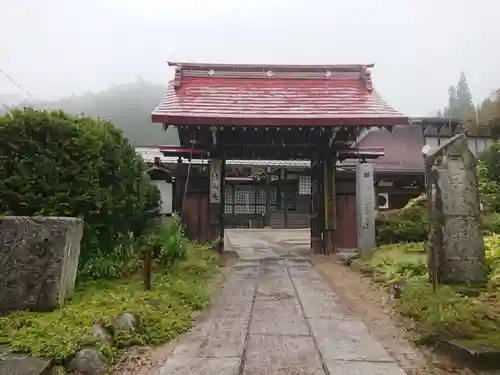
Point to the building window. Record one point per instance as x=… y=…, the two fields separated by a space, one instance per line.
x=481 y=145
x=228 y=199
x=248 y=199
x=472 y=143
x=304 y=185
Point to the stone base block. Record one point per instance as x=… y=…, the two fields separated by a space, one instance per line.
x=38 y=261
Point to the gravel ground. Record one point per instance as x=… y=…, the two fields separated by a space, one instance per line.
x=372 y=304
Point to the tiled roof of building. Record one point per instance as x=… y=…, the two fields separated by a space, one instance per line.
x=149 y=154
x=402 y=147
x=206 y=94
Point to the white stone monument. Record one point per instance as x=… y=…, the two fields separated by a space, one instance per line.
x=365 y=208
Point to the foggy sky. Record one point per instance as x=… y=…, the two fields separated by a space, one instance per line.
x=56 y=48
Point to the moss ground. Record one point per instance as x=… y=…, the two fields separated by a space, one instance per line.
x=163 y=312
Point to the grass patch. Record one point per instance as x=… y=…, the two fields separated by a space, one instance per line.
x=396 y=261
x=446 y=314
x=163 y=312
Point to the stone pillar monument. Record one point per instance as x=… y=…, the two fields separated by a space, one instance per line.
x=365 y=208
x=456 y=246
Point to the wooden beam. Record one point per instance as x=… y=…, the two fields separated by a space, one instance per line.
x=332 y=137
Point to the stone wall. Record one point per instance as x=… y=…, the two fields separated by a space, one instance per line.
x=455 y=237
x=38 y=261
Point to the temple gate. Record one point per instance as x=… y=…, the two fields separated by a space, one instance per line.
x=280 y=112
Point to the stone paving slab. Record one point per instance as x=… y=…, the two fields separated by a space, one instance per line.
x=215 y=338
x=278 y=316
x=363 y=368
x=349 y=341
x=201 y=366
x=283 y=355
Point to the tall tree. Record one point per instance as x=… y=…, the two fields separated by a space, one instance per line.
x=451 y=109
x=465 y=107
x=488 y=114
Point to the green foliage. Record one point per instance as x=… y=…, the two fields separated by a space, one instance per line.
x=460 y=104
x=54 y=164
x=123 y=261
x=489 y=177
x=409 y=224
x=169 y=242
x=491 y=223
x=163 y=312
x=444 y=314
x=492 y=253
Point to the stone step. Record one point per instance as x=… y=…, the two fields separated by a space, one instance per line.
x=20 y=364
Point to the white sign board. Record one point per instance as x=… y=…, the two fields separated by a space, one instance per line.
x=166 y=196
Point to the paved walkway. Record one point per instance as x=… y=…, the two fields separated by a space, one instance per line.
x=276 y=315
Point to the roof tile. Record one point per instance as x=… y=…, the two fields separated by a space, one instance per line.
x=307 y=96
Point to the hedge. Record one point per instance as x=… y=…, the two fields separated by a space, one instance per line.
x=56 y=164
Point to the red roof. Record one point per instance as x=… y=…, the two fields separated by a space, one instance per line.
x=327 y=95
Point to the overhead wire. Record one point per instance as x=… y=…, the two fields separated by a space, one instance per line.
x=188 y=175
x=15 y=83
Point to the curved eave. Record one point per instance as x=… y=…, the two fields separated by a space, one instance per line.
x=280 y=121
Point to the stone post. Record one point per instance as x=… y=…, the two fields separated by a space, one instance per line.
x=456 y=246
x=365 y=208
x=267 y=216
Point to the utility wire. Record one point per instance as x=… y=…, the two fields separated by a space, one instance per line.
x=16 y=84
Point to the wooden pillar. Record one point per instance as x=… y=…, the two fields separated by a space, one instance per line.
x=329 y=168
x=179 y=186
x=216 y=199
x=284 y=195
x=267 y=217
x=317 y=205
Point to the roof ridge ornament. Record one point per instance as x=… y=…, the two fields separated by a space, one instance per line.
x=270 y=73
x=366 y=78
x=178 y=77
x=328 y=74
x=211 y=72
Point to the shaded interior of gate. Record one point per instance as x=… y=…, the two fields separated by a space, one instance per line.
x=320 y=197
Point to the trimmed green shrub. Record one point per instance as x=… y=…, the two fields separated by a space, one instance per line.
x=409 y=224
x=55 y=164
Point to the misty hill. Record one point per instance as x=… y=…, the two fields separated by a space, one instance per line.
x=9 y=100
x=128 y=106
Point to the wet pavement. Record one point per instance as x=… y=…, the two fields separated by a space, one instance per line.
x=276 y=315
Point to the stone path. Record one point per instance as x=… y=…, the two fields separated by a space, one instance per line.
x=276 y=315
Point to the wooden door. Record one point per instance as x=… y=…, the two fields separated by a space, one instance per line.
x=346 y=233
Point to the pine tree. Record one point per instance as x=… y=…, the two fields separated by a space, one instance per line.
x=451 y=109
x=464 y=106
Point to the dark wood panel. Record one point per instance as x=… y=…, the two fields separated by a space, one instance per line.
x=346 y=231
x=294 y=220
x=196 y=217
